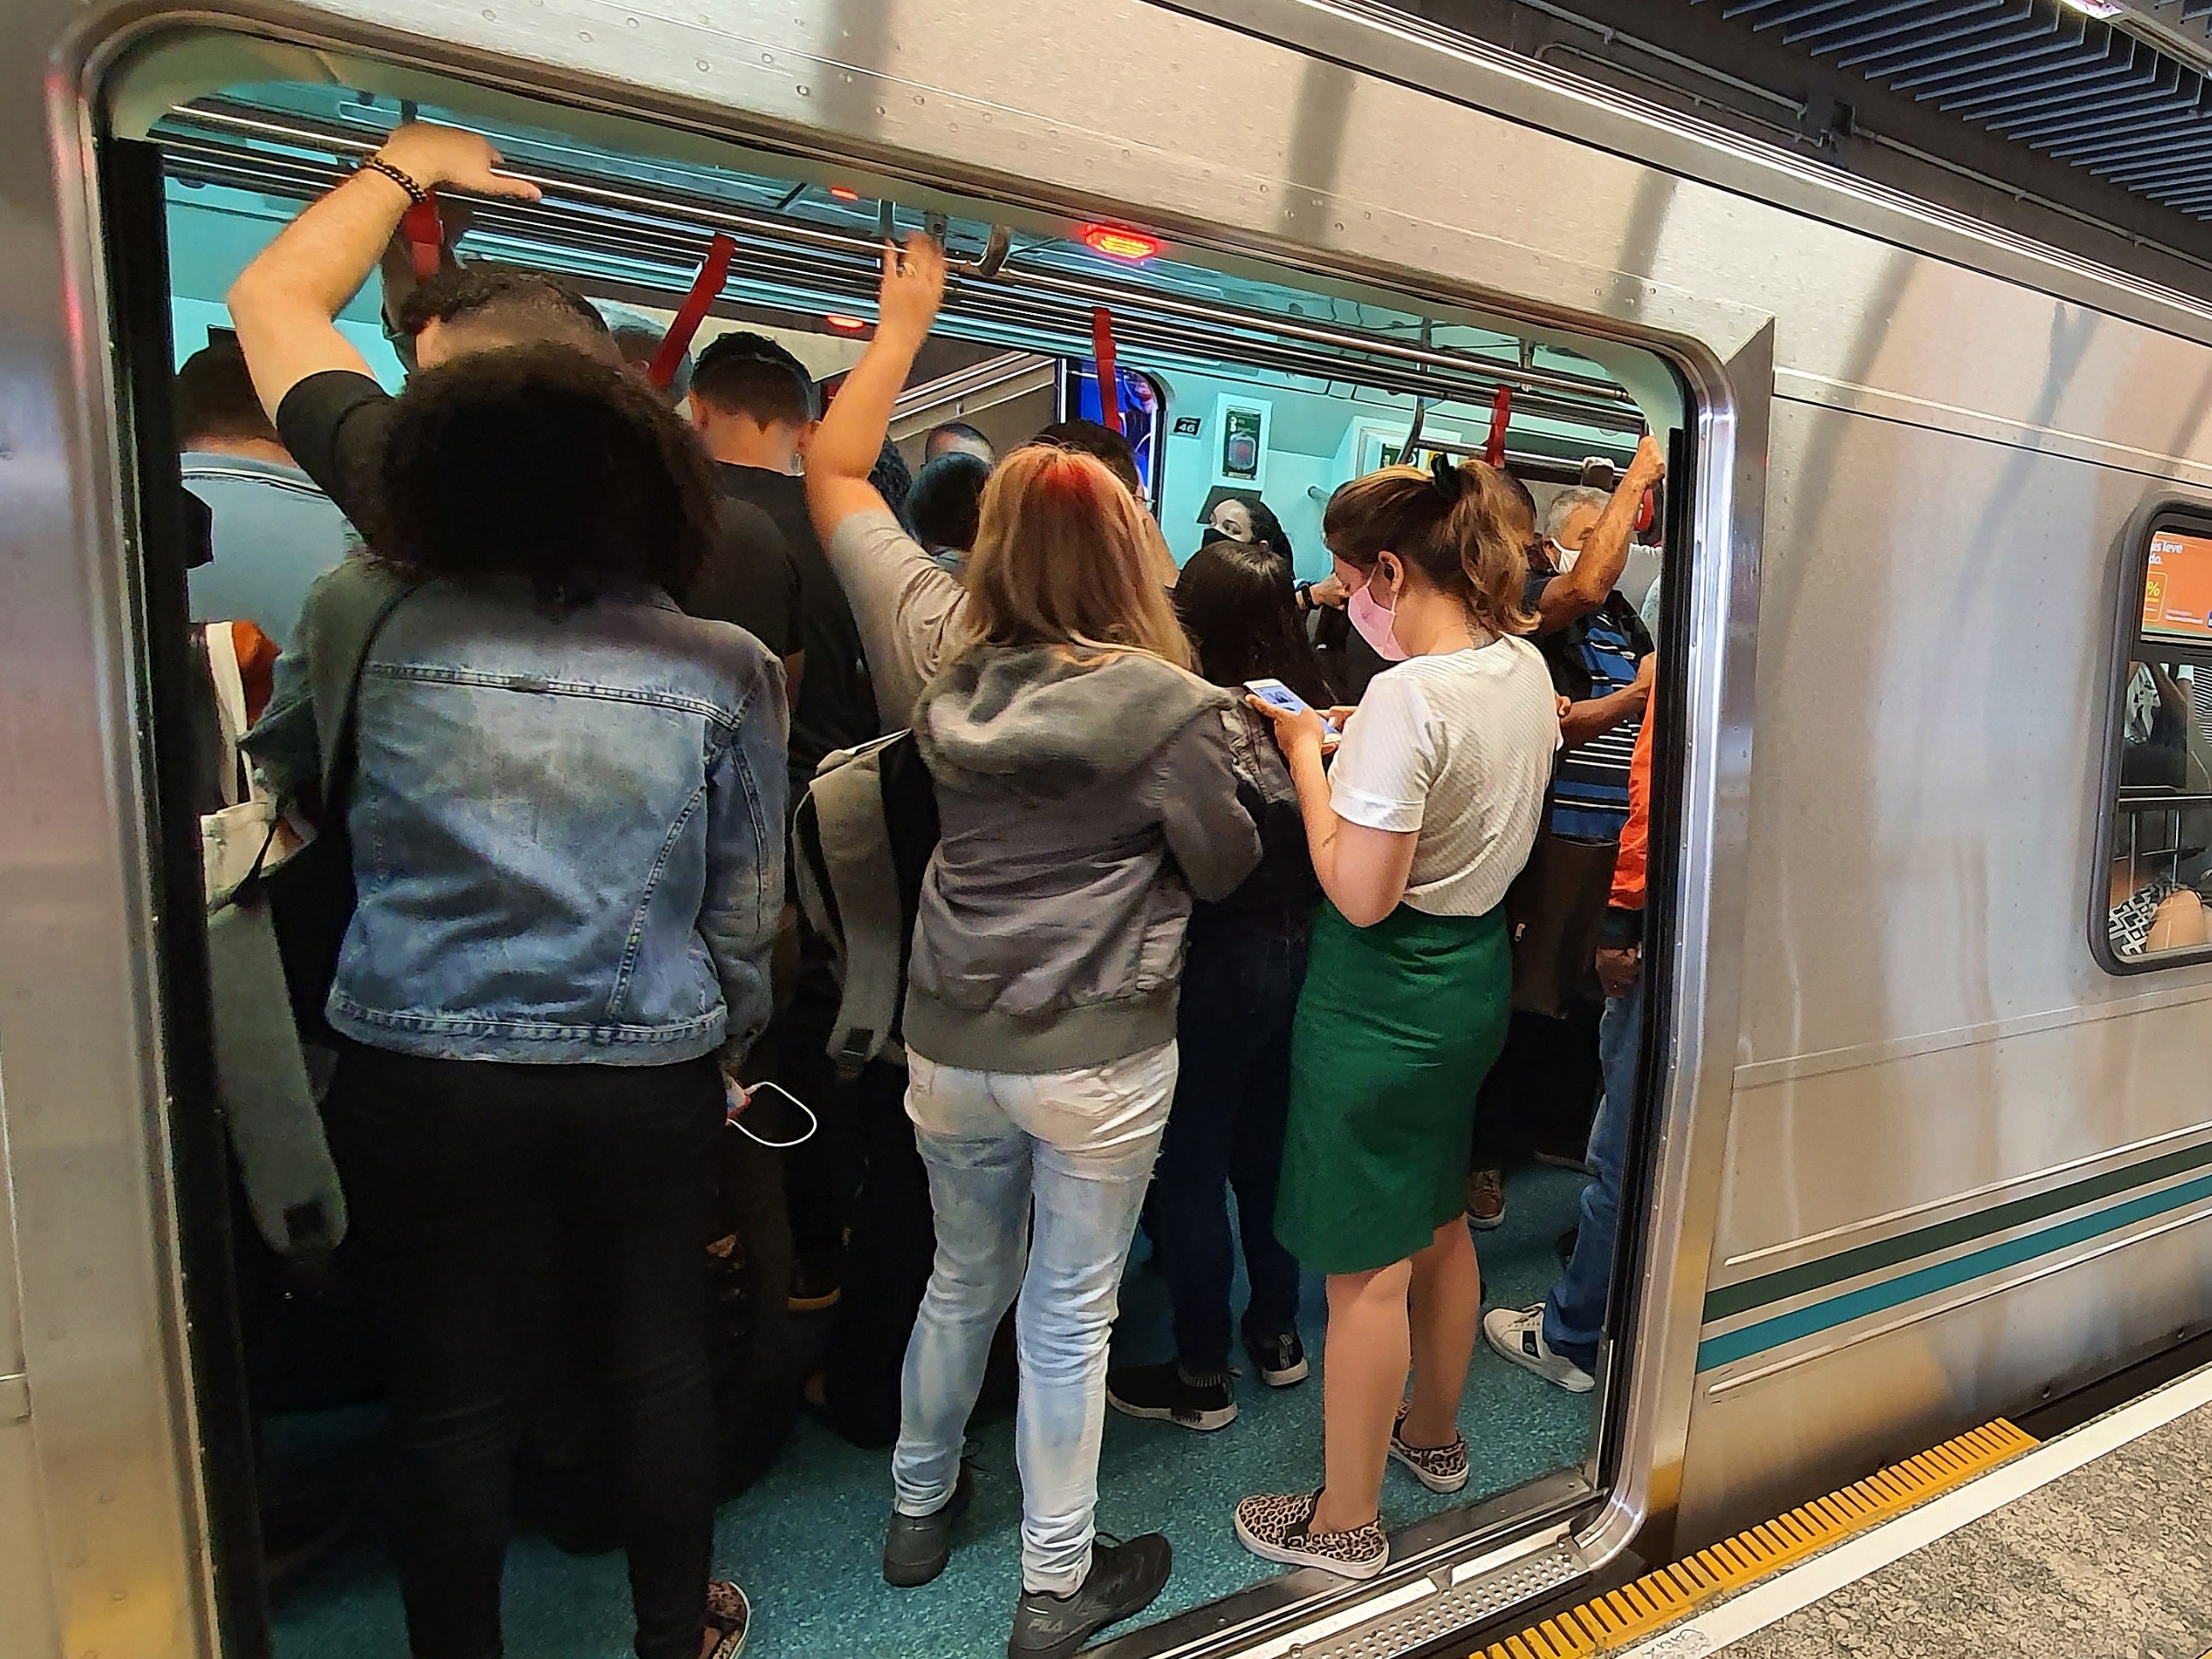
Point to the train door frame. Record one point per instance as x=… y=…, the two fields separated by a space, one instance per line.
x=1722 y=353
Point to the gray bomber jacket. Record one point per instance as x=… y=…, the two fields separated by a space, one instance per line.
x=1083 y=802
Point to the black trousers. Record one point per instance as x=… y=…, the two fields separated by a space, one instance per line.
x=1542 y=1089
x=469 y=1185
x=887 y=1269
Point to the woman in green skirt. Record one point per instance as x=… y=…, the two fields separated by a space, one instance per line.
x=1426 y=816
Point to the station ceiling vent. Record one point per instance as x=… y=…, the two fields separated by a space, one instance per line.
x=2117 y=87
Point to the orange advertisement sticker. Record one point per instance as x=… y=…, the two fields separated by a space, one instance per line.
x=2178 y=588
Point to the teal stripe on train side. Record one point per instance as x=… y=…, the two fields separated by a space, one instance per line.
x=1729 y=1300
x=1888 y=1293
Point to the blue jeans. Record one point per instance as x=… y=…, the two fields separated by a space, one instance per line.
x=1574 y=1313
x=1080 y=1145
x=1240 y=994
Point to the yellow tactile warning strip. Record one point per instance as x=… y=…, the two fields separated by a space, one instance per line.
x=1660 y=1598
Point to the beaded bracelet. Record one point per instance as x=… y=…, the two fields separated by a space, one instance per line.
x=416 y=193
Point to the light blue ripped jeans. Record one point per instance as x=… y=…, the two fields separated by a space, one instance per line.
x=1080 y=1145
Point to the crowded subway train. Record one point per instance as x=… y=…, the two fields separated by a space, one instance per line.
x=1058 y=748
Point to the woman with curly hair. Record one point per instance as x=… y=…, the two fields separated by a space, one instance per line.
x=565 y=818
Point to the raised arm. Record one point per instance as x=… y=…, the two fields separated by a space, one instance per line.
x=1578 y=592
x=285 y=304
x=852 y=432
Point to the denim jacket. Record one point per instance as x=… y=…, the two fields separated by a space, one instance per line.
x=567 y=830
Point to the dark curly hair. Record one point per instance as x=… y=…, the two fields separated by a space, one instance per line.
x=542 y=462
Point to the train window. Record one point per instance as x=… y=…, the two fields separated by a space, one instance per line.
x=2153 y=896
x=1236 y=383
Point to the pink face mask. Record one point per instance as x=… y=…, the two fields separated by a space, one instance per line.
x=1373 y=621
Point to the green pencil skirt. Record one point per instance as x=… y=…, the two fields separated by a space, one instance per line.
x=1396 y=1027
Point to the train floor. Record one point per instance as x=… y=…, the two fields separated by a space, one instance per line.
x=804 y=1540
x=2095 y=1544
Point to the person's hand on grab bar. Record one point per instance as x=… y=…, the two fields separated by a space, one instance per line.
x=912 y=289
x=435 y=156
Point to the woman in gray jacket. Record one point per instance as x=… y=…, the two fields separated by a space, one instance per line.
x=1087 y=791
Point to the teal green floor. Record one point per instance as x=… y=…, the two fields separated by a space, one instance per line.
x=804 y=1541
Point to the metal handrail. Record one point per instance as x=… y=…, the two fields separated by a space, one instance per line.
x=1610 y=409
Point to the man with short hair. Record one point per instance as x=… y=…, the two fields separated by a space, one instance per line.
x=1568 y=521
x=752 y=403
x=315 y=386
x=946 y=506
x=478 y=306
x=958 y=438
x=333 y=415
x=273 y=531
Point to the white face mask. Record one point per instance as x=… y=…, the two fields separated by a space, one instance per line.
x=1563 y=556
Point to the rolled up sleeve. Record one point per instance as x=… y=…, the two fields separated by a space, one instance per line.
x=912 y=613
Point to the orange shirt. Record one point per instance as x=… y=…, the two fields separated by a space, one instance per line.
x=257 y=667
x=1628 y=883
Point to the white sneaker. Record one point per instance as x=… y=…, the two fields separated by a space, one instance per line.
x=1519 y=1336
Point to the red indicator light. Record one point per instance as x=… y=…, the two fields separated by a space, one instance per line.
x=843 y=194
x=1118 y=244
x=845 y=324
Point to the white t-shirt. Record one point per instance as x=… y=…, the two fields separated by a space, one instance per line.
x=1459 y=748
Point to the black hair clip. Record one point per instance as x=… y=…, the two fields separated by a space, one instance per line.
x=1448 y=480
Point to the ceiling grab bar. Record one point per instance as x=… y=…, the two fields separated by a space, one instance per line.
x=213 y=117
x=705 y=289
x=1420 y=411
x=1109 y=375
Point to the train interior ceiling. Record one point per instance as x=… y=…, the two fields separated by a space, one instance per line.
x=1237 y=378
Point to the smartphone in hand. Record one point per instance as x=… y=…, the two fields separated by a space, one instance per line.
x=1276 y=695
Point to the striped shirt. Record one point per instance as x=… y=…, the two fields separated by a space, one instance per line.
x=1589 y=795
x=1457 y=747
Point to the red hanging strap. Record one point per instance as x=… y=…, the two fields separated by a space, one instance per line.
x=1647 y=510
x=425 y=236
x=705 y=288
x=1110 y=377
x=1501 y=411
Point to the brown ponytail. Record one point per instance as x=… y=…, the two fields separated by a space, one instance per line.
x=1457 y=525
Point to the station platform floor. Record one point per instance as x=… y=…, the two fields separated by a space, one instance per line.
x=2095 y=1544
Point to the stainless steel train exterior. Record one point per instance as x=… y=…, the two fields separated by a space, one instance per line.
x=1892 y=1059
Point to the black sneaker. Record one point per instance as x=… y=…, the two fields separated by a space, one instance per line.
x=917 y=1546
x=1124 y=1578
x=1281 y=1360
x=1163 y=1394
x=814 y=1287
